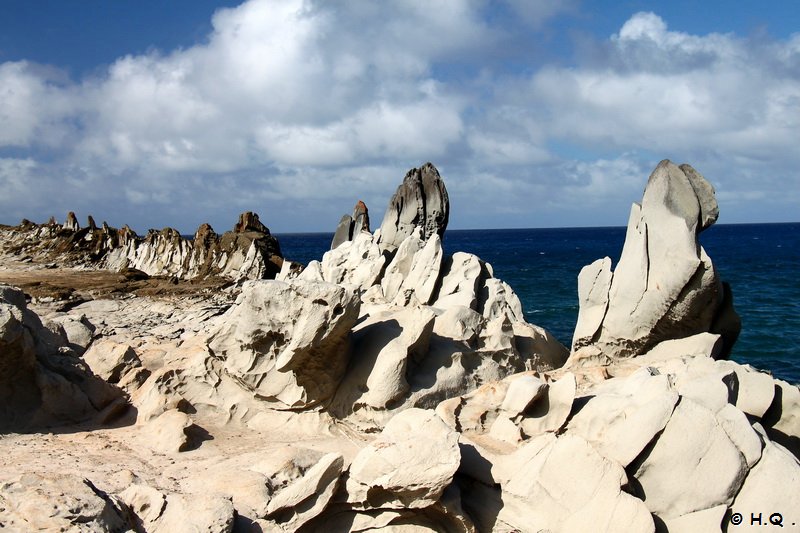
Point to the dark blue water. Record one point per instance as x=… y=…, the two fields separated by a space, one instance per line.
x=760 y=261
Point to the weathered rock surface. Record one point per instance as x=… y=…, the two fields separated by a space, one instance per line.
x=407 y=466
x=288 y=342
x=42 y=380
x=421 y=201
x=308 y=404
x=665 y=286
x=249 y=251
x=57 y=503
x=308 y=496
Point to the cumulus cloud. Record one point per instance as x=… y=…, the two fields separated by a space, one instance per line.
x=300 y=106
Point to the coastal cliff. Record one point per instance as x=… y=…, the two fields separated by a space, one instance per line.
x=389 y=385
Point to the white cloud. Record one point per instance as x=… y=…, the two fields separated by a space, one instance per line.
x=295 y=104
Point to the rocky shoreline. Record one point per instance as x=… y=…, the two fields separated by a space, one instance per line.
x=164 y=384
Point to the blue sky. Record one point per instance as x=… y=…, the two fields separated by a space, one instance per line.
x=538 y=113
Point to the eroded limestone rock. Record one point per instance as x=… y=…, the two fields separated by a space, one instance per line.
x=665 y=286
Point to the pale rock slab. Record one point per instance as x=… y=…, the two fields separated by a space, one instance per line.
x=358 y=263
x=497 y=299
x=79 y=331
x=400 y=266
x=665 y=286
x=312 y=272
x=407 y=466
x=196 y=512
x=756 y=389
x=385 y=346
x=693 y=465
x=707 y=520
x=551 y=410
x=57 y=503
x=459 y=323
x=420 y=284
x=521 y=393
x=782 y=420
x=167 y=432
x=625 y=414
x=308 y=496
x=563 y=484
x=111 y=360
x=594 y=282
x=741 y=433
x=288 y=342
x=461 y=281
x=146 y=503
x=771 y=486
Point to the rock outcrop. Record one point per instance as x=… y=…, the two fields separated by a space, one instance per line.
x=350 y=226
x=43 y=382
x=247 y=252
x=665 y=286
x=421 y=201
x=288 y=343
x=396 y=389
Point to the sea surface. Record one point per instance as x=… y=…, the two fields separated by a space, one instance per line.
x=760 y=261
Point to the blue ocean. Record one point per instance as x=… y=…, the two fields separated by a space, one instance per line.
x=760 y=261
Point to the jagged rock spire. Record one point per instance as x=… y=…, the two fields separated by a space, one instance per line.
x=420 y=201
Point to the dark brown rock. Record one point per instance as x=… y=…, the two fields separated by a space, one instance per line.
x=349 y=226
x=248 y=221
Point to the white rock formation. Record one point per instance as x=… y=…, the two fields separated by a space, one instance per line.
x=664 y=286
x=407 y=466
x=288 y=342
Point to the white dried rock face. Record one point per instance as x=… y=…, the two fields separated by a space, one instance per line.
x=384 y=347
x=771 y=485
x=357 y=263
x=623 y=415
x=167 y=432
x=563 y=484
x=461 y=280
x=407 y=466
x=111 y=360
x=308 y=496
x=196 y=512
x=694 y=464
x=57 y=503
x=664 y=286
x=42 y=381
x=288 y=343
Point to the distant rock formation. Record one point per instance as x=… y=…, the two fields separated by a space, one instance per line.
x=249 y=251
x=421 y=201
x=665 y=286
x=71 y=223
x=350 y=226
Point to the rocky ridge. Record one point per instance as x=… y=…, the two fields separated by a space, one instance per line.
x=249 y=251
x=398 y=388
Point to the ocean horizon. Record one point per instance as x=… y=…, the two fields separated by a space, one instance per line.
x=760 y=261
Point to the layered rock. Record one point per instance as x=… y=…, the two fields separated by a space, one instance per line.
x=249 y=251
x=421 y=201
x=665 y=286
